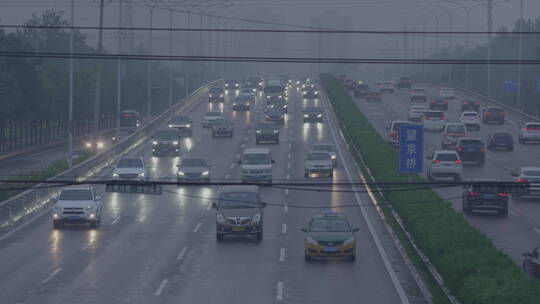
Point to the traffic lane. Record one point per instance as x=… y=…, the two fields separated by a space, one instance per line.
x=324 y=280
x=70 y=244
x=502 y=231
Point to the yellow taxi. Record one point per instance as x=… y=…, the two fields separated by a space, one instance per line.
x=329 y=235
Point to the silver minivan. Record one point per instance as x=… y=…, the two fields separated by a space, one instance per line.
x=256 y=164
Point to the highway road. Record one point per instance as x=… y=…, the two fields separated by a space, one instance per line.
x=163 y=249
x=517 y=233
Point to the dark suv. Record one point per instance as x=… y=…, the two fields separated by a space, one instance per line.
x=501 y=140
x=493 y=114
x=313 y=114
x=216 y=95
x=404 y=83
x=266 y=133
x=239 y=212
x=361 y=90
x=470 y=105
x=483 y=196
x=471 y=150
x=166 y=142
x=438 y=103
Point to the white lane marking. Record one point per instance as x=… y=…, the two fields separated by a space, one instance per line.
x=227 y=176
x=279 y=291
x=285 y=208
x=197 y=227
x=536 y=230
x=283 y=228
x=237 y=155
x=282 y=255
x=287 y=191
x=115 y=220
x=242 y=146
x=47 y=279
x=232 y=165
x=290 y=146
x=288 y=176
x=182 y=253
x=288 y=165
x=382 y=252
x=289 y=155
x=512 y=212
x=245 y=138
x=161 y=287
x=209 y=207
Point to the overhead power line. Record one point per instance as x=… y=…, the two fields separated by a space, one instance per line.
x=58 y=55
x=241 y=30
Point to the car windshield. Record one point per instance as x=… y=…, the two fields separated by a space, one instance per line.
x=266 y=127
x=535 y=173
x=502 y=135
x=312 y=110
x=180 y=119
x=471 y=142
x=419 y=90
x=75 y=195
x=327 y=148
x=468 y=115
x=494 y=110
x=418 y=109
x=318 y=156
x=213 y=114
x=533 y=126
x=274 y=89
x=447 y=157
x=222 y=121
x=193 y=162
x=455 y=129
x=216 y=91
x=166 y=135
x=247 y=91
x=329 y=225
x=434 y=114
x=256 y=159
x=130 y=163
x=238 y=200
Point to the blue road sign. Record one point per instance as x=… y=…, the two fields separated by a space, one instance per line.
x=510 y=86
x=538 y=84
x=411 y=149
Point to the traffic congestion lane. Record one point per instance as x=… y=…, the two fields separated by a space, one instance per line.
x=513 y=234
x=117 y=251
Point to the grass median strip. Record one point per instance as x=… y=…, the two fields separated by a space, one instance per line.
x=473 y=269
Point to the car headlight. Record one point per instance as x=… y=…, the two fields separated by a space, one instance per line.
x=256 y=218
x=175 y=143
x=88 y=145
x=311 y=241
x=154 y=143
x=254 y=90
x=319 y=115
x=205 y=173
x=92 y=215
x=115 y=175
x=268 y=96
x=89 y=207
x=234 y=104
x=280 y=96
x=113 y=138
x=180 y=173
x=220 y=95
x=141 y=174
x=226 y=85
x=170 y=126
x=276 y=131
x=236 y=85
x=306 y=116
x=303 y=86
x=333 y=157
x=210 y=95
x=55 y=215
x=258 y=131
x=220 y=219
x=349 y=241
x=188 y=126
x=316 y=92
x=100 y=145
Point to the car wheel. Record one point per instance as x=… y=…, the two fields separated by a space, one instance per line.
x=259 y=236
x=511 y=148
x=331 y=174
x=503 y=212
x=520 y=140
x=457 y=178
x=307 y=258
x=516 y=197
x=482 y=162
x=219 y=237
x=93 y=225
x=277 y=141
x=306 y=174
x=256 y=141
x=352 y=258
x=58 y=225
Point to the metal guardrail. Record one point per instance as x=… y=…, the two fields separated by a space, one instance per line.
x=521 y=116
x=38 y=197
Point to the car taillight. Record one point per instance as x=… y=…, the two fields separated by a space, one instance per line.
x=436 y=161
x=482 y=150
x=488 y=114
x=503 y=194
x=426 y=117
x=501 y=114
x=441 y=118
x=474 y=194
x=528 y=129
x=459 y=149
x=458 y=162
x=522 y=180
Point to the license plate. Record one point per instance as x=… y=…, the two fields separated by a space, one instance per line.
x=238 y=229
x=489 y=195
x=471 y=150
x=446 y=165
x=331 y=249
x=73 y=217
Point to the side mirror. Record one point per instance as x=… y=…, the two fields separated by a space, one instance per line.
x=273 y=161
x=429 y=157
x=262 y=205
x=177 y=166
x=355 y=229
x=214 y=205
x=303 y=229
x=239 y=161
x=97 y=198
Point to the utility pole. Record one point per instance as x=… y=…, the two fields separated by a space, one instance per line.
x=490 y=24
x=97 y=97
x=119 y=74
x=151 y=4
x=520 y=54
x=70 y=106
x=171 y=5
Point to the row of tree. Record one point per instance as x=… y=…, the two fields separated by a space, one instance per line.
x=38 y=88
x=503 y=77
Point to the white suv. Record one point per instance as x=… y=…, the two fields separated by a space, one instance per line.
x=256 y=165
x=77 y=204
x=529 y=132
x=131 y=169
x=470 y=119
x=444 y=163
x=434 y=120
x=447 y=93
x=318 y=163
x=529 y=175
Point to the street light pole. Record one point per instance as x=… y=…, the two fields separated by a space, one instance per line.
x=151 y=5
x=171 y=5
x=520 y=54
x=119 y=73
x=70 y=106
x=97 y=97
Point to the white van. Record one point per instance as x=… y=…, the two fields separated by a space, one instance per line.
x=256 y=165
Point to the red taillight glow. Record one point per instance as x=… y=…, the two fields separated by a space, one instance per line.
x=482 y=150
x=503 y=194
x=436 y=161
x=488 y=114
x=458 y=162
x=474 y=194
x=522 y=180
x=501 y=114
x=528 y=129
x=459 y=149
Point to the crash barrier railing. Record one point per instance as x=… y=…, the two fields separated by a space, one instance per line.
x=517 y=114
x=37 y=198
